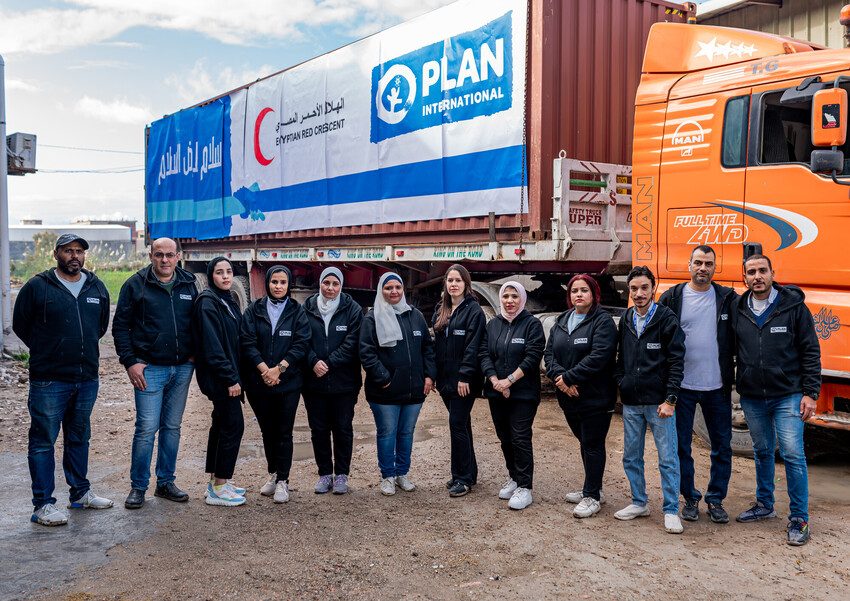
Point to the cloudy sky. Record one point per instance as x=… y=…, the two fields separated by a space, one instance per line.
x=92 y=73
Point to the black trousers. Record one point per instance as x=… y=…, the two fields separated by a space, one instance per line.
x=464 y=465
x=225 y=436
x=275 y=413
x=331 y=416
x=591 y=429
x=512 y=420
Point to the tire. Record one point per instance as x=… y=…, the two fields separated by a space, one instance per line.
x=742 y=442
x=201 y=282
x=240 y=292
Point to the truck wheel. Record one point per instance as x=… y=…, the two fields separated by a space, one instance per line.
x=742 y=442
x=241 y=292
x=201 y=282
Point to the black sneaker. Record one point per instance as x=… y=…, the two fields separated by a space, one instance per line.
x=458 y=489
x=690 y=512
x=135 y=499
x=450 y=483
x=755 y=513
x=717 y=514
x=171 y=492
x=798 y=532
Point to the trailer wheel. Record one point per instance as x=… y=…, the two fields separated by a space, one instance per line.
x=742 y=442
x=240 y=292
x=201 y=282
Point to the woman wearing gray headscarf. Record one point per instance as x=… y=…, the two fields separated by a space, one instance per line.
x=332 y=379
x=397 y=353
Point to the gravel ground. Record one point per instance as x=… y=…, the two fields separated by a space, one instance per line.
x=420 y=545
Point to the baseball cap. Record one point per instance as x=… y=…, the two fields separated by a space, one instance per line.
x=68 y=238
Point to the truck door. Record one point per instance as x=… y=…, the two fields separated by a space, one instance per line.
x=800 y=218
x=703 y=166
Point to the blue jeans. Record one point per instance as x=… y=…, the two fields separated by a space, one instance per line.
x=635 y=420
x=51 y=405
x=717 y=410
x=769 y=419
x=159 y=407
x=394 y=425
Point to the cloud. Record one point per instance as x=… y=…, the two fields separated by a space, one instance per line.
x=201 y=83
x=114 y=111
x=238 y=23
x=23 y=86
x=100 y=64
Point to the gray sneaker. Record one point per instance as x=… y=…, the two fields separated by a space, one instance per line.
x=324 y=484
x=49 y=515
x=341 y=484
x=90 y=501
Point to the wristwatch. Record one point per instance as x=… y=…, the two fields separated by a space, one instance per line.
x=282 y=367
x=511 y=378
x=671 y=399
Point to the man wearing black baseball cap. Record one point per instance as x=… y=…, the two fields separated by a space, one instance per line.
x=61 y=314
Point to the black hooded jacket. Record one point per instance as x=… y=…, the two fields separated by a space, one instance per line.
x=403 y=366
x=782 y=357
x=507 y=346
x=62 y=332
x=650 y=368
x=457 y=349
x=725 y=333
x=151 y=325
x=290 y=340
x=337 y=348
x=586 y=358
x=215 y=330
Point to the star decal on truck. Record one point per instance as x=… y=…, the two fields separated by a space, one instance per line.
x=712 y=50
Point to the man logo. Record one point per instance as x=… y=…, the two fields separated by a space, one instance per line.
x=396 y=94
x=687 y=135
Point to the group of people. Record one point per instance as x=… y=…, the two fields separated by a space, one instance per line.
x=664 y=358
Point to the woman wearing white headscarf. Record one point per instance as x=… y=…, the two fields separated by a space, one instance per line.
x=398 y=355
x=333 y=379
x=510 y=359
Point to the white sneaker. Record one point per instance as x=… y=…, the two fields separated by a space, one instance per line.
x=49 y=515
x=520 y=499
x=237 y=489
x=281 y=492
x=673 y=524
x=268 y=488
x=90 y=501
x=576 y=497
x=632 y=511
x=388 y=486
x=508 y=489
x=588 y=507
x=223 y=496
x=405 y=484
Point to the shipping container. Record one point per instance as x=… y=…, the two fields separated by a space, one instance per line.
x=578 y=84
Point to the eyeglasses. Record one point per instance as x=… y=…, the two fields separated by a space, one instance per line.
x=164 y=255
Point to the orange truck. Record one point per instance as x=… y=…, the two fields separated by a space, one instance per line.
x=740 y=142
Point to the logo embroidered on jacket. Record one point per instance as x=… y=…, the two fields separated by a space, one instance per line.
x=185 y=297
x=779 y=330
x=285 y=333
x=459 y=332
x=417 y=332
x=653 y=346
x=517 y=340
x=724 y=316
x=342 y=328
x=580 y=341
x=93 y=301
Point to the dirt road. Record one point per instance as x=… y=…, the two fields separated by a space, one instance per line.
x=421 y=545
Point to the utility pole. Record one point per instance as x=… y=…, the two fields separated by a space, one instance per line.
x=5 y=285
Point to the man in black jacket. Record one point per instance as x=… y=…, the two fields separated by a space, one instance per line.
x=153 y=339
x=61 y=314
x=649 y=370
x=779 y=379
x=702 y=308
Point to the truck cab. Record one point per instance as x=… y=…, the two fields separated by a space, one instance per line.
x=740 y=143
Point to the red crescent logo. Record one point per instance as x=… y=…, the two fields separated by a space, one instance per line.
x=258 y=153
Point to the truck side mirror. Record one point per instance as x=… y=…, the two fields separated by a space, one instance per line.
x=829 y=117
x=827 y=161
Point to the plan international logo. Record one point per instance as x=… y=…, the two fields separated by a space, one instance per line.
x=460 y=78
